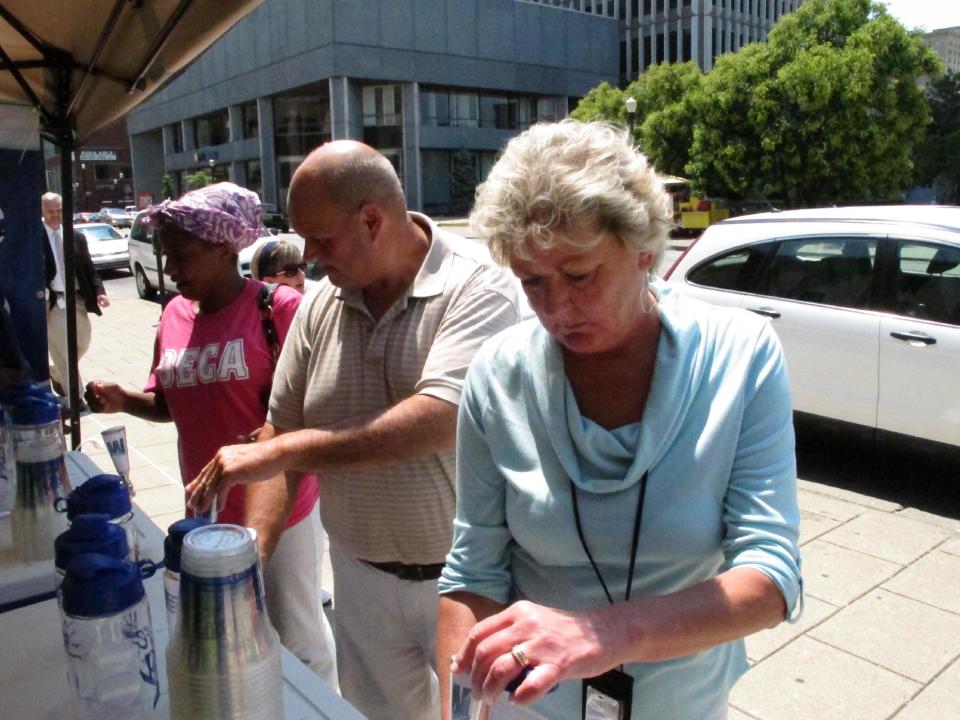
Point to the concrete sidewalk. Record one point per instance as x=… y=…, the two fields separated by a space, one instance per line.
x=880 y=635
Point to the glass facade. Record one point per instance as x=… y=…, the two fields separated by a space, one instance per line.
x=450 y=179
x=301 y=123
x=456 y=108
x=254 y=176
x=212 y=129
x=383 y=122
x=251 y=120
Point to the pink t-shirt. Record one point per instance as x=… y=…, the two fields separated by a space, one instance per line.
x=215 y=372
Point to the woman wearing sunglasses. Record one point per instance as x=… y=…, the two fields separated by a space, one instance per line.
x=280 y=261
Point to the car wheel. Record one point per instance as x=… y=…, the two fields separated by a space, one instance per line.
x=144 y=289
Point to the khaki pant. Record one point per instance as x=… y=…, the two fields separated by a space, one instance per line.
x=292 y=583
x=386 y=630
x=57 y=342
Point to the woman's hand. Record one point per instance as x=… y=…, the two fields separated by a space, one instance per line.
x=232 y=465
x=105 y=397
x=558 y=645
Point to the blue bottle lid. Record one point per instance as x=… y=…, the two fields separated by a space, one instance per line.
x=100 y=494
x=35 y=410
x=98 y=585
x=91 y=533
x=11 y=392
x=173 y=543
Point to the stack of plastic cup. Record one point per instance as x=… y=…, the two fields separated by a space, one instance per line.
x=223 y=661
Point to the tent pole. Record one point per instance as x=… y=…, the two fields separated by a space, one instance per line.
x=67 y=144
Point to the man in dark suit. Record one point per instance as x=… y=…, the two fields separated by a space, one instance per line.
x=91 y=295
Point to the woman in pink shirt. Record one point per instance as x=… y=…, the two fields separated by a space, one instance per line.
x=211 y=375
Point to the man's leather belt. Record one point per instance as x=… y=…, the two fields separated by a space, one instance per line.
x=415 y=573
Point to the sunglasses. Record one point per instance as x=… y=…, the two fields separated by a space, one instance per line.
x=291 y=269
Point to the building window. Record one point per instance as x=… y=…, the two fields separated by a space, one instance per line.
x=301 y=123
x=177 y=137
x=212 y=129
x=251 y=120
x=450 y=179
x=254 y=176
x=382 y=106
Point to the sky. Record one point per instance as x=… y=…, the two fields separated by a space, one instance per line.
x=929 y=14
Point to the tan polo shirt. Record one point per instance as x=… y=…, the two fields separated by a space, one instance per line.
x=338 y=363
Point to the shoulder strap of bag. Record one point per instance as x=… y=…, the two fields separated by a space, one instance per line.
x=265 y=306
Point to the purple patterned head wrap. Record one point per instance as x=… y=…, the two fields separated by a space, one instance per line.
x=220 y=213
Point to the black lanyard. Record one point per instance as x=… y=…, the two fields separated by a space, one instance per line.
x=633 y=548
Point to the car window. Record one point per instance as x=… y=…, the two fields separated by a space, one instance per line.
x=730 y=271
x=928 y=282
x=104 y=232
x=829 y=271
x=140 y=230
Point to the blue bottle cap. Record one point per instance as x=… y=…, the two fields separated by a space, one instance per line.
x=35 y=410
x=11 y=392
x=173 y=543
x=97 y=585
x=92 y=533
x=100 y=494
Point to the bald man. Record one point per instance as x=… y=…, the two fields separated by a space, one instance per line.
x=365 y=395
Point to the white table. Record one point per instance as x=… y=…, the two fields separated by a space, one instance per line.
x=33 y=666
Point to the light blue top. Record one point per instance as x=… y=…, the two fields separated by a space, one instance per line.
x=717 y=439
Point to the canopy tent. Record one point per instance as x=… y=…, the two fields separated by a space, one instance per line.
x=82 y=64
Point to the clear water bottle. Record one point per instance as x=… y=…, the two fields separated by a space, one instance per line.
x=8 y=464
x=106 y=494
x=223 y=661
x=172 y=546
x=108 y=637
x=93 y=533
x=41 y=476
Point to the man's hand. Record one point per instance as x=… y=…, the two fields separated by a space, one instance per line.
x=103 y=301
x=232 y=465
x=105 y=397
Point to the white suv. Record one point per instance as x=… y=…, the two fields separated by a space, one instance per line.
x=866 y=301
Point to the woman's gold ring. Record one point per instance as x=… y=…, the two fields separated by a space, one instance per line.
x=520 y=656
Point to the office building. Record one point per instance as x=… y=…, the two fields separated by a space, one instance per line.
x=945 y=42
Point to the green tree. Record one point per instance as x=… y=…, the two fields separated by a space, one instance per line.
x=665 y=113
x=827 y=110
x=938 y=157
x=168 y=187
x=604 y=103
x=198 y=180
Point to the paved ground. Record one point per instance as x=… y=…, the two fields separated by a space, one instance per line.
x=880 y=636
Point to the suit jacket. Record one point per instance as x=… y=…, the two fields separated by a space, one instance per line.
x=89 y=284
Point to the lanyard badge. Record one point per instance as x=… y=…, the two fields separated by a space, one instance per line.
x=607 y=697
x=610 y=696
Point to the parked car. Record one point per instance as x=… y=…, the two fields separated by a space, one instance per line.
x=117 y=217
x=865 y=300
x=108 y=248
x=131 y=209
x=85 y=217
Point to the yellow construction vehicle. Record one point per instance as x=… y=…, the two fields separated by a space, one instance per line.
x=697 y=214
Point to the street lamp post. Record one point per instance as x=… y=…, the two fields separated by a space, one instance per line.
x=211 y=162
x=631 y=105
x=83 y=186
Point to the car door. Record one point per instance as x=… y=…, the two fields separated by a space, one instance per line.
x=920 y=344
x=817 y=292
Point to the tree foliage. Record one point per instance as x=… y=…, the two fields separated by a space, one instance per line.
x=827 y=109
x=198 y=180
x=167 y=187
x=663 y=122
x=938 y=157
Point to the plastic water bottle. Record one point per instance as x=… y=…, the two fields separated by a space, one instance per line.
x=172 y=545
x=93 y=533
x=41 y=476
x=108 y=637
x=106 y=494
